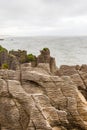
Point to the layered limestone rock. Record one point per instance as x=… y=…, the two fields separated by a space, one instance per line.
x=8 y=60
x=13 y=59
x=78 y=74
x=45 y=57
x=21 y=55
x=32 y=98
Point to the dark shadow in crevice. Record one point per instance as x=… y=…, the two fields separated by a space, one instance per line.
x=83 y=92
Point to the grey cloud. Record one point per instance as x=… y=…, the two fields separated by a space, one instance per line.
x=47 y=16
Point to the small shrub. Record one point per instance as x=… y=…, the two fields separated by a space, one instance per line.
x=30 y=57
x=45 y=49
x=5 y=66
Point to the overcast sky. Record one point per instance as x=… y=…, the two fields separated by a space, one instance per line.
x=43 y=17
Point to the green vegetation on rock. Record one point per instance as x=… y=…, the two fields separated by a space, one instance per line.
x=30 y=57
x=2 y=49
x=45 y=49
x=4 y=66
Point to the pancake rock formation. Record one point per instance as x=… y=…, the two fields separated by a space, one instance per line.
x=36 y=95
x=32 y=98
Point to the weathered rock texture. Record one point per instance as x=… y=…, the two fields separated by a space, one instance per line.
x=45 y=57
x=8 y=59
x=12 y=60
x=32 y=98
x=21 y=55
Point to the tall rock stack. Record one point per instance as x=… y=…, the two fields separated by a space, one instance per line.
x=53 y=67
x=3 y=57
x=13 y=63
x=21 y=55
x=15 y=58
x=45 y=57
x=7 y=60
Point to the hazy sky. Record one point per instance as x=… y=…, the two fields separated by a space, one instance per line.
x=43 y=17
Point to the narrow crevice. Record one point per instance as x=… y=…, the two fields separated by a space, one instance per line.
x=82 y=78
x=20 y=117
x=0 y=127
x=10 y=95
x=20 y=75
x=34 y=125
x=52 y=102
x=38 y=107
x=19 y=114
x=68 y=126
x=31 y=82
x=83 y=91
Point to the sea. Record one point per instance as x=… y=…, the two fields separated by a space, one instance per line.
x=66 y=50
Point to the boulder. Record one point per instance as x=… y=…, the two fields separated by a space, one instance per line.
x=67 y=70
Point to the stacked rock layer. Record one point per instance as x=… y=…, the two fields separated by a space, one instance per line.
x=32 y=98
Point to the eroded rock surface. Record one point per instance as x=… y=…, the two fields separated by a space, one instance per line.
x=35 y=99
